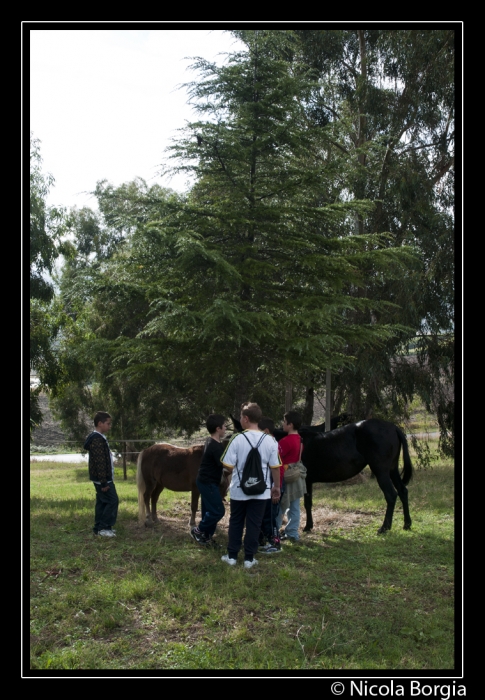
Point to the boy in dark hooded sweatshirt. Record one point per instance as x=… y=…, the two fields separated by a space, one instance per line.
x=101 y=473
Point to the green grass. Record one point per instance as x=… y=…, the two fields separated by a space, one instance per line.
x=342 y=598
x=420 y=421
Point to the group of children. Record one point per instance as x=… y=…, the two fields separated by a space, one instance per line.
x=261 y=515
x=282 y=497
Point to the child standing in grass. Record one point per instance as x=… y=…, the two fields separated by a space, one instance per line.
x=101 y=473
x=289 y=449
x=269 y=538
x=247 y=510
x=208 y=482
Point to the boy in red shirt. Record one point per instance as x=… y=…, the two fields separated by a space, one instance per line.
x=290 y=448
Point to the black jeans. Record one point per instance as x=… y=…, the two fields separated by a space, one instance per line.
x=106 y=509
x=269 y=528
x=250 y=512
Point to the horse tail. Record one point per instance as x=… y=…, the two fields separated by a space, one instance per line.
x=407 y=472
x=140 y=482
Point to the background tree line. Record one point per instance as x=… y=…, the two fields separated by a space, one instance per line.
x=318 y=234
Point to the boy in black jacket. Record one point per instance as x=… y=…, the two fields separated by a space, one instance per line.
x=101 y=473
x=209 y=480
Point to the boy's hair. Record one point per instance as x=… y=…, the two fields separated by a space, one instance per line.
x=215 y=420
x=266 y=423
x=252 y=411
x=293 y=417
x=101 y=417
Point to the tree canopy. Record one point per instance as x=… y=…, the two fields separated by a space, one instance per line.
x=316 y=235
x=45 y=247
x=389 y=97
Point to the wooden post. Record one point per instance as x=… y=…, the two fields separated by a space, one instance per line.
x=328 y=401
x=124 y=462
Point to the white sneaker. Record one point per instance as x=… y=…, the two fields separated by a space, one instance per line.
x=106 y=533
x=228 y=560
x=250 y=564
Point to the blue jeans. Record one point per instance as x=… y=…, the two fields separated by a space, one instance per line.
x=293 y=515
x=106 y=508
x=212 y=507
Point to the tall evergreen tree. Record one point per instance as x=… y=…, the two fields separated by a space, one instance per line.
x=250 y=274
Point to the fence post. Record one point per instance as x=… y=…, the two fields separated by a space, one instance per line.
x=124 y=462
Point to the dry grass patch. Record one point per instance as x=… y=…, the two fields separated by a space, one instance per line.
x=326 y=519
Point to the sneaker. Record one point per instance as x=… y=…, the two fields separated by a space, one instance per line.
x=228 y=560
x=270 y=548
x=250 y=564
x=199 y=536
x=286 y=538
x=106 y=533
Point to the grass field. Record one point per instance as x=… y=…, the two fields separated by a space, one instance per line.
x=343 y=598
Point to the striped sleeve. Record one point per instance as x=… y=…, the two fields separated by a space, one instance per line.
x=228 y=458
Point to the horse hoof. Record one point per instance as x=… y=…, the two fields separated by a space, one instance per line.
x=407 y=526
x=149 y=523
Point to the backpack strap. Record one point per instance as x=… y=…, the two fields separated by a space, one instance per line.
x=252 y=446
x=259 y=442
x=238 y=472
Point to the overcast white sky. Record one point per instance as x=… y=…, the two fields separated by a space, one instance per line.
x=104 y=102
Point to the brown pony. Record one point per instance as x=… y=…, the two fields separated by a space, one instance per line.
x=165 y=466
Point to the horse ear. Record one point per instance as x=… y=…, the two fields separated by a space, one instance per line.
x=237 y=425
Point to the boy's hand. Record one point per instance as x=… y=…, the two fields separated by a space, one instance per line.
x=275 y=494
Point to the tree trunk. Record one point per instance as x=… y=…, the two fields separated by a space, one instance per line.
x=328 y=401
x=241 y=394
x=308 y=410
x=288 y=396
x=337 y=400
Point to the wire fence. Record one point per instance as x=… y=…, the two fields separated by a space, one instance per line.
x=121 y=453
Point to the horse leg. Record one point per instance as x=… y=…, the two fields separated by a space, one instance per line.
x=146 y=502
x=307 y=500
x=154 y=499
x=194 y=502
x=403 y=495
x=390 y=494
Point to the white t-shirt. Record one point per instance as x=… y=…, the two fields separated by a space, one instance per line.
x=235 y=456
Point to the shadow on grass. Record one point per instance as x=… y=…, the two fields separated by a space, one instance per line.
x=82 y=473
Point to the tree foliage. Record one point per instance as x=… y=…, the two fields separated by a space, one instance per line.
x=256 y=262
x=45 y=247
x=315 y=236
x=388 y=96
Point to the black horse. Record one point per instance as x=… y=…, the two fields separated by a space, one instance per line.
x=342 y=453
